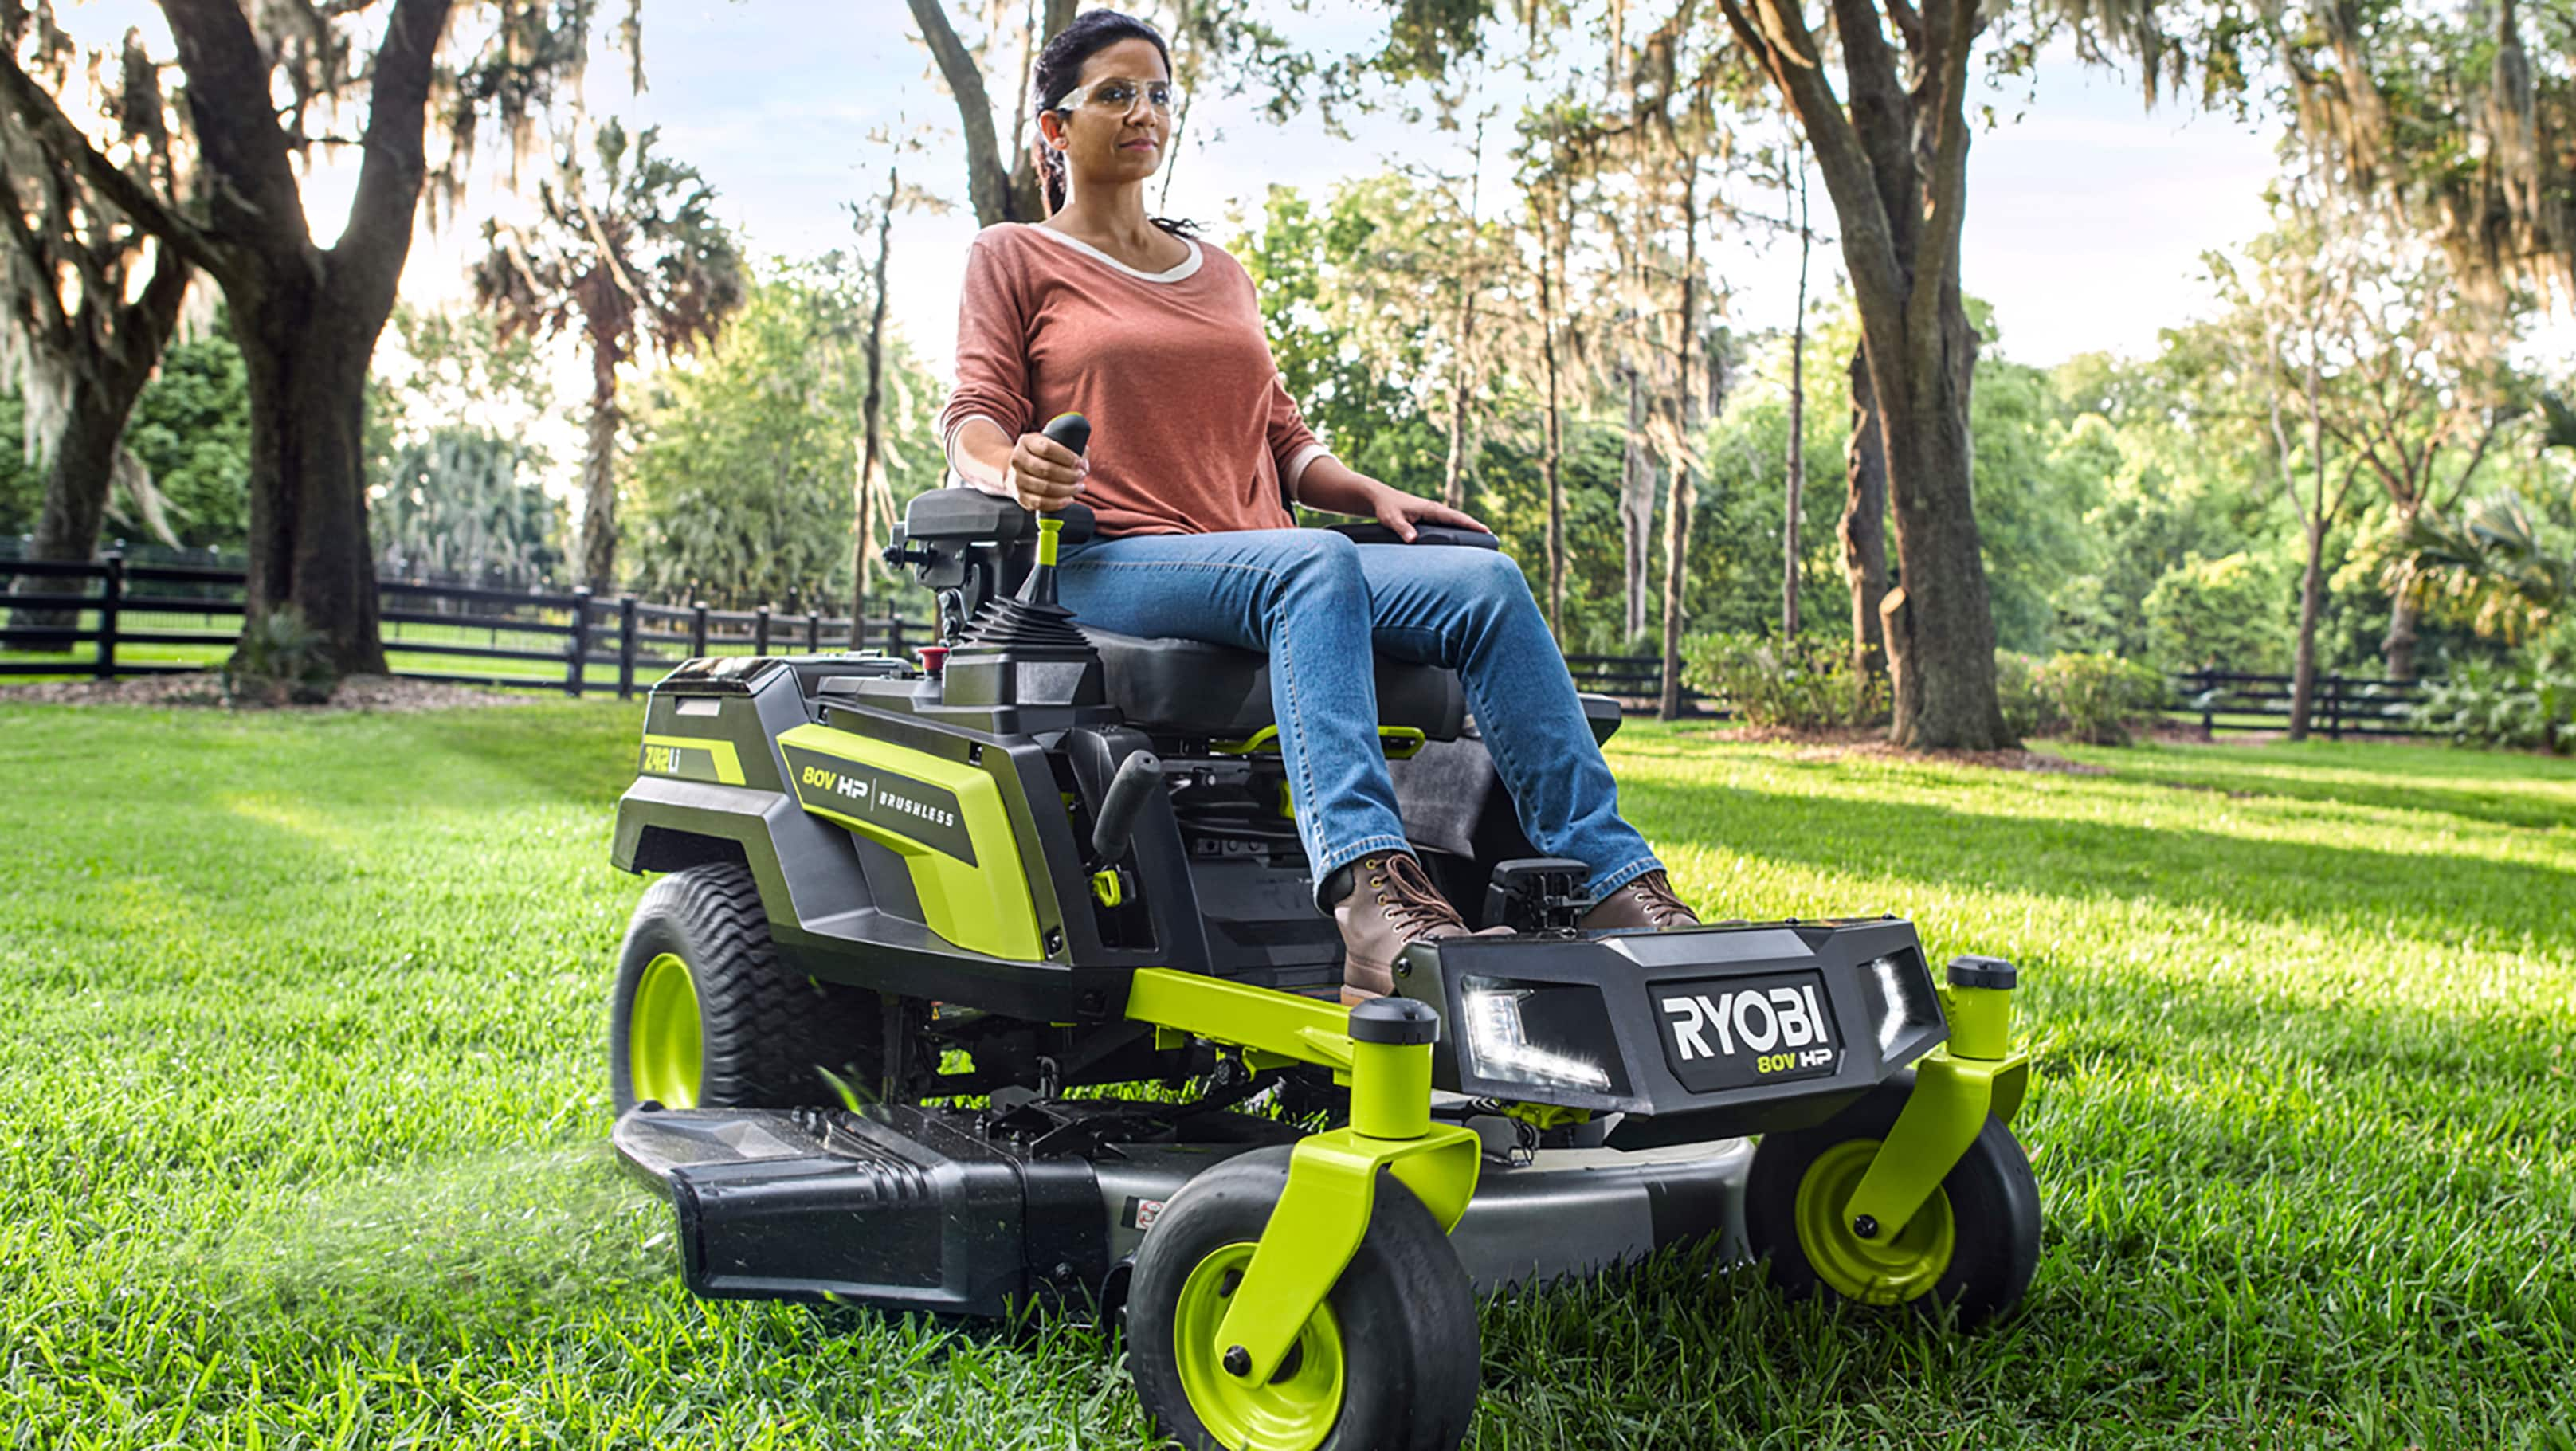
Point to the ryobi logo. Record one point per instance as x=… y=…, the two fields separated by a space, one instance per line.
x=1782 y=1018
x=853 y=787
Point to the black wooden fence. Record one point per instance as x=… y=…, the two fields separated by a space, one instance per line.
x=2343 y=705
x=120 y=615
x=93 y=619
x=112 y=619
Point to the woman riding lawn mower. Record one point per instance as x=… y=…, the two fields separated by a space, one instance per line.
x=1233 y=923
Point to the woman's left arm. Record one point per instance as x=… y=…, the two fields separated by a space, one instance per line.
x=1333 y=486
x=1318 y=480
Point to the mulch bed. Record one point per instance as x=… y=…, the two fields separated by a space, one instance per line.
x=380 y=693
x=1838 y=741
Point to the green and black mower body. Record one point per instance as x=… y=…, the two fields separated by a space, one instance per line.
x=923 y=919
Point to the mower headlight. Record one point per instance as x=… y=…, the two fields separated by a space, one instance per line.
x=1898 y=989
x=1497 y=1032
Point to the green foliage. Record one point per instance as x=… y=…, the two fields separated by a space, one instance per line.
x=2094 y=698
x=191 y=428
x=22 y=484
x=282 y=660
x=1801 y=684
x=466 y=504
x=741 y=478
x=2528 y=703
x=2098 y=699
x=2226 y=614
x=2027 y=709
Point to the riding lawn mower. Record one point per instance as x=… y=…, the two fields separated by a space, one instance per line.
x=998 y=980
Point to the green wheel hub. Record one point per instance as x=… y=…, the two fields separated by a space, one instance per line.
x=1297 y=1409
x=665 y=1052
x=1883 y=1271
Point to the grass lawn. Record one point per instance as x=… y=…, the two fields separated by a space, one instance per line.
x=305 y=1135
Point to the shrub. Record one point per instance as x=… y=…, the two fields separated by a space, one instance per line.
x=2229 y=613
x=2098 y=698
x=281 y=660
x=2529 y=704
x=2027 y=708
x=2090 y=697
x=1798 y=684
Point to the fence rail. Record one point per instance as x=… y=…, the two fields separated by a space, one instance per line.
x=131 y=619
x=115 y=618
x=2343 y=705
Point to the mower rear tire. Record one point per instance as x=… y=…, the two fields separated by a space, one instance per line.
x=704 y=1015
x=1972 y=1247
x=1387 y=1363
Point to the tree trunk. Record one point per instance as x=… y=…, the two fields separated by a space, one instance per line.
x=1941 y=636
x=1677 y=516
x=1551 y=457
x=77 y=475
x=1864 y=524
x=599 y=476
x=2303 y=669
x=1636 y=507
x=1797 y=460
x=1453 y=478
x=2397 y=648
x=305 y=355
x=871 y=411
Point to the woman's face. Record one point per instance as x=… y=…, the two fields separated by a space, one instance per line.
x=1107 y=143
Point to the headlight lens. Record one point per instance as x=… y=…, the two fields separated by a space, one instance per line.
x=1901 y=1001
x=1499 y=1045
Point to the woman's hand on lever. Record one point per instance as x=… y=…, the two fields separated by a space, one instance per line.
x=1044 y=475
x=1403 y=513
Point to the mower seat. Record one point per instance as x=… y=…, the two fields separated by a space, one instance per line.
x=1193 y=688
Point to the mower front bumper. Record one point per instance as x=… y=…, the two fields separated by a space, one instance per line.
x=1714 y=1032
x=929 y=1209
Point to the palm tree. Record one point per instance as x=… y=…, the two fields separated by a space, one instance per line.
x=633 y=255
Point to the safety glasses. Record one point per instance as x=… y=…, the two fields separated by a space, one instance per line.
x=1117 y=95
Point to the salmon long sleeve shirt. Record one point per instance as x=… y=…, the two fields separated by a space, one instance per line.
x=1192 y=430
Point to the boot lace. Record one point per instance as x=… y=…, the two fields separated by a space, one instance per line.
x=1655 y=894
x=1411 y=903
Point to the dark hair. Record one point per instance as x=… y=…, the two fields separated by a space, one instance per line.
x=1059 y=69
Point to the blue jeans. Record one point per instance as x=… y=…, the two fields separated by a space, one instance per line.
x=1318 y=605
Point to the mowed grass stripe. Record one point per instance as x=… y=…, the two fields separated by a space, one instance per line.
x=305 y=1141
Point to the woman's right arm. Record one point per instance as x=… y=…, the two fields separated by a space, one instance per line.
x=1034 y=469
x=992 y=393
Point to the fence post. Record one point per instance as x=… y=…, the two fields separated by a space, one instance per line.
x=577 y=669
x=894 y=631
x=697 y=629
x=2208 y=694
x=813 y=632
x=626 y=647
x=111 y=593
x=2334 y=707
x=760 y=631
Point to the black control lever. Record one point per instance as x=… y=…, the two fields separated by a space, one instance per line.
x=1138 y=778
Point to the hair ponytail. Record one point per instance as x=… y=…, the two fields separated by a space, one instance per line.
x=1058 y=68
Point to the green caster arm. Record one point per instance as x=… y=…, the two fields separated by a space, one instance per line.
x=1383 y=1050
x=1956 y=1086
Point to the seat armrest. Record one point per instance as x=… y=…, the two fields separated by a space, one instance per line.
x=1373 y=532
x=961 y=512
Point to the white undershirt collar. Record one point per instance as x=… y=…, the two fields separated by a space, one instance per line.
x=1183 y=268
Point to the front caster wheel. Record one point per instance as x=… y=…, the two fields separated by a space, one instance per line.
x=705 y=1016
x=1387 y=1363
x=1972 y=1246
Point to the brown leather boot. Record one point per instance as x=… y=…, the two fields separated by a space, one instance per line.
x=1647 y=901
x=1391 y=903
